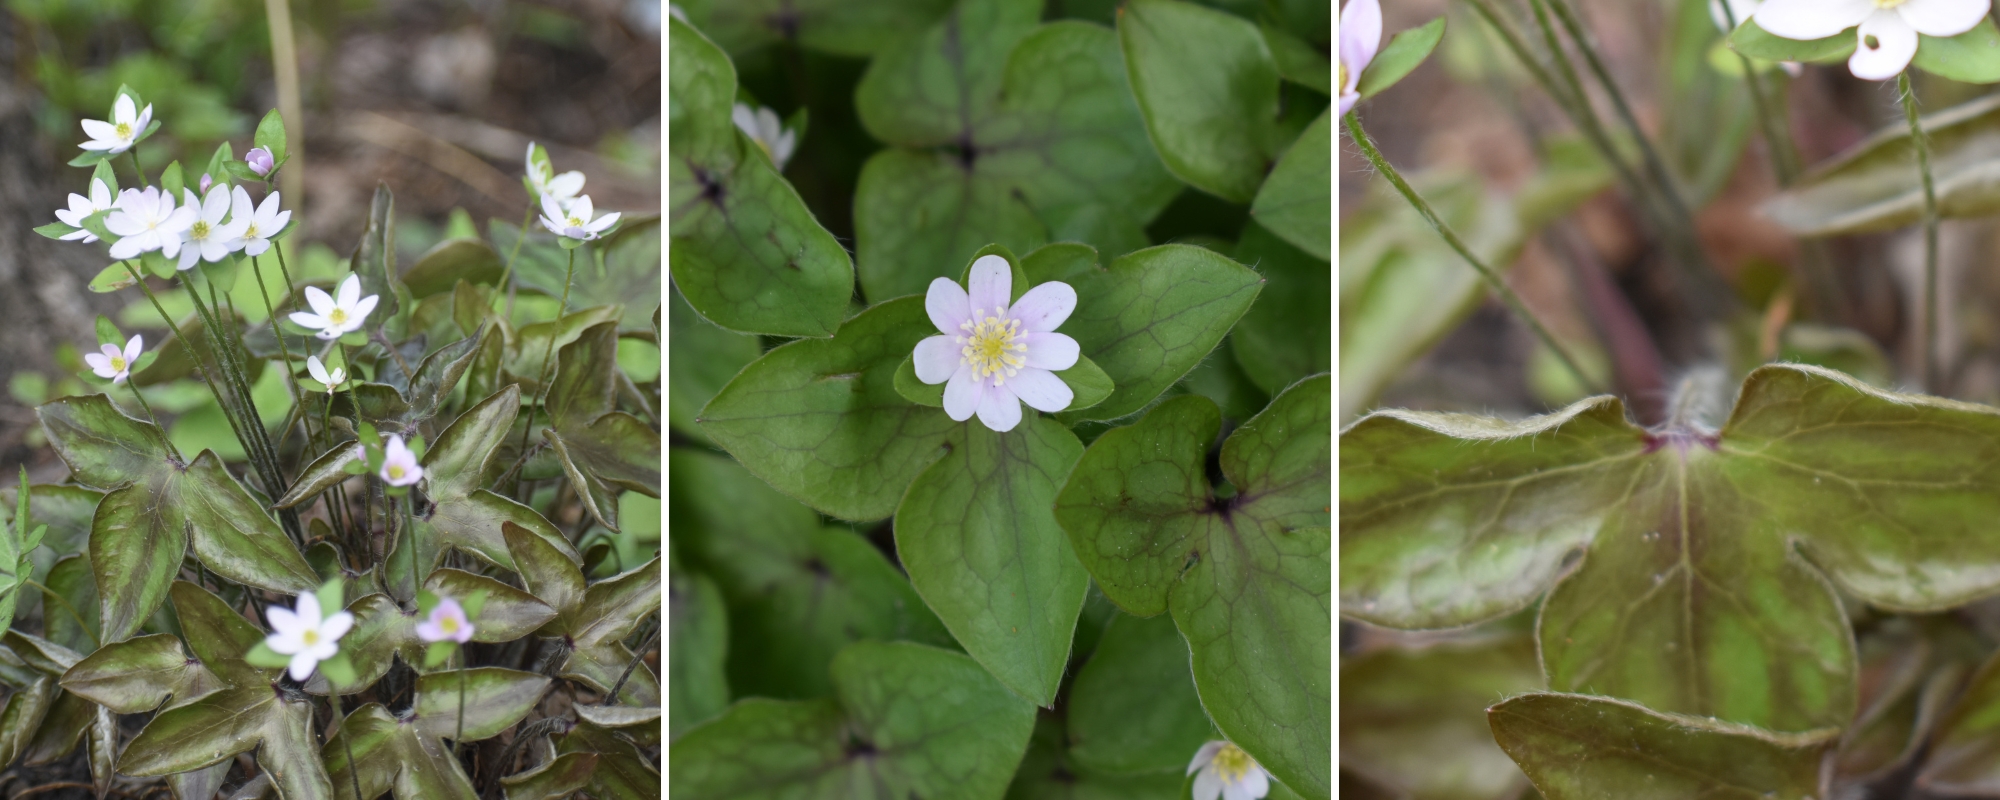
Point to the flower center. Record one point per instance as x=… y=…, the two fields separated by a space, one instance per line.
x=124 y=129
x=338 y=316
x=1342 y=74
x=1889 y=3
x=310 y=637
x=395 y=472
x=993 y=346
x=1233 y=763
x=449 y=624
x=575 y=223
x=250 y=232
x=200 y=230
x=118 y=363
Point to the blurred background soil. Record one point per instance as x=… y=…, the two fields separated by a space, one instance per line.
x=437 y=98
x=1452 y=115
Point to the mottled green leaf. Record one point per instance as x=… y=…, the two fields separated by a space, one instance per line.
x=697 y=649
x=1970 y=57
x=603 y=450
x=841 y=27
x=1288 y=333
x=407 y=755
x=137 y=675
x=1243 y=570
x=701 y=358
x=1414 y=720
x=1208 y=88
x=1133 y=707
x=1575 y=747
x=905 y=720
x=451 y=261
x=1296 y=201
x=1874 y=185
x=594 y=620
x=1050 y=771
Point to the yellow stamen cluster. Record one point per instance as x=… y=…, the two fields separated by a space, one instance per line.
x=118 y=363
x=449 y=624
x=993 y=346
x=395 y=472
x=200 y=229
x=1233 y=763
x=310 y=636
x=1889 y=3
x=124 y=130
x=337 y=316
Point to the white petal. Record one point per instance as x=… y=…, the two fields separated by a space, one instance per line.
x=256 y=247
x=947 y=305
x=936 y=358
x=95 y=144
x=336 y=626
x=989 y=285
x=582 y=209
x=99 y=364
x=284 y=644
x=362 y=308
x=126 y=248
x=181 y=219
x=268 y=214
x=566 y=185
x=170 y=245
x=308 y=610
x=1943 y=18
x=1895 y=44
x=302 y=665
x=1256 y=783
x=1207 y=785
x=240 y=206
x=603 y=222
x=123 y=224
x=305 y=320
x=320 y=301
x=768 y=124
x=284 y=621
x=1347 y=101
x=145 y=119
x=999 y=409
x=1204 y=755
x=745 y=119
x=317 y=370
x=551 y=210
x=1236 y=791
x=1041 y=389
x=1050 y=351
x=1045 y=307
x=350 y=291
x=962 y=395
x=100 y=195
x=216 y=205
x=100 y=131
x=215 y=248
x=1811 y=19
x=122 y=110
x=189 y=255
x=550 y=224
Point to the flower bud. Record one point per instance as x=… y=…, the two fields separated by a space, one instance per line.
x=206 y=180
x=260 y=161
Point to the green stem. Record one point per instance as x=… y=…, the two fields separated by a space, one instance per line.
x=507 y=275
x=548 y=352
x=1933 y=379
x=215 y=386
x=1655 y=165
x=284 y=350
x=132 y=154
x=152 y=417
x=458 y=737
x=80 y=624
x=1492 y=278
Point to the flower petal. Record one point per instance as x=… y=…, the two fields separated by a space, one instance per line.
x=284 y=644
x=350 y=291
x=999 y=409
x=947 y=305
x=936 y=358
x=1257 y=782
x=1207 y=785
x=1943 y=18
x=989 y=287
x=962 y=395
x=1811 y=19
x=1204 y=755
x=336 y=626
x=284 y=621
x=1045 y=307
x=122 y=110
x=302 y=665
x=566 y=185
x=1041 y=389
x=1895 y=43
x=362 y=309
x=321 y=302
x=1050 y=351
x=1360 y=35
x=308 y=609
x=134 y=347
x=99 y=130
x=305 y=320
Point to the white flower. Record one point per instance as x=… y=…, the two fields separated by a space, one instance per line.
x=121 y=132
x=332 y=380
x=447 y=621
x=1887 y=28
x=399 y=465
x=1360 y=37
x=763 y=127
x=147 y=221
x=334 y=318
x=208 y=237
x=547 y=184
x=113 y=363
x=1227 y=772
x=263 y=222
x=574 y=220
x=80 y=209
x=993 y=355
x=304 y=636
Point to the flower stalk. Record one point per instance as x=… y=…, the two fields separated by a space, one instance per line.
x=1933 y=379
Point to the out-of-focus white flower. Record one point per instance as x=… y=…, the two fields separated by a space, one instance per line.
x=991 y=357
x=334 y=318
x=259 y=160
x=764 y=128
x=110 y=362
x=1887 y=29
x=331 y=379
x=80 y=209
x=304 y=635
x=147 y=221
x=399 y=465
x=447 y=622
x=574 y=220
x=1228 y=773
x=1360 y=37
x=208 y=237
x=563 y=188
x=121 y=132
x=262 y=222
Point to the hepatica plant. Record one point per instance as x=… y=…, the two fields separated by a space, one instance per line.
x=334 y=528
x=1026 y=494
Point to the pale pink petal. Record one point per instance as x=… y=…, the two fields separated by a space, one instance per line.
x=1207 y=786
x=999 y=409
x=1041 y=390
x=962 y=395
x=1943 y=18
x=1811 y=19
x=1050 y=351
x=134 y=347
x=99 y=364
x=1256 y=783
x=1045 y=307
x=1347 y=101
x=1360 y=35
x=1895 y=43
x=936 y=358
x=947 y=305
x=988 y=286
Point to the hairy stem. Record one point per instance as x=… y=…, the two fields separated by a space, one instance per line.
x=1933 y=379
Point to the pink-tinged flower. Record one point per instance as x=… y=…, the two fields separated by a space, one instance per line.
x=333 y=318
x=304 y=635
x=447 y=621
x=992 y=357
x=80 y=209
x=1887 y=29
x=110 y=362
x=260 y=160
x=146 y=221
x=399 y=464
x=121 y=132
x=208 y=237
x=1228 y=773
x=1360 y=37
